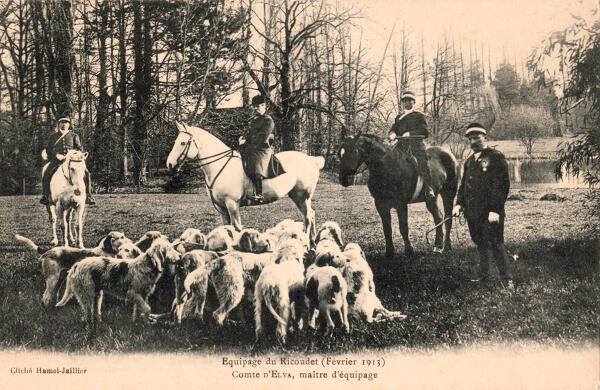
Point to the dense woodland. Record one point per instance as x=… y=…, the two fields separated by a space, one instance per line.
x=125 y=70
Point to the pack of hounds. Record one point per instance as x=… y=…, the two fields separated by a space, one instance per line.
x=276 y=273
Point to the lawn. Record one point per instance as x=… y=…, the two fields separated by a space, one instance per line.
x=556 y=274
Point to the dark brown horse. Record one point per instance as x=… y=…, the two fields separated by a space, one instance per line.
x=394 y=183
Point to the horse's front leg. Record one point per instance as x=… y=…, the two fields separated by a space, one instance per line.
x=402 y=211
x=70 y=225
x=437 y=219
x=448 y=201
x=52 y=218
x=62 y=214
x=304 y=204
x=80 y=211
x=233 y=212
x=383 y=208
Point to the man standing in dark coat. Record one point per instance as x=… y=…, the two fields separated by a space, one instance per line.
x=413 y=123
x=59 y=143
x=481 y=195
x=257 y=146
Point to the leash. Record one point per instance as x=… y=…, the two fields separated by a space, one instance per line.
x=461 y=221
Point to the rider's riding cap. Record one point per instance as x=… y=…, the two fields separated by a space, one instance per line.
x=258 y=100
x=475 y=128
x=65 y=119
x=408 y=95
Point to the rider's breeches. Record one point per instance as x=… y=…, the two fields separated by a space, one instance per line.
x=418 y=150
x=257 y=180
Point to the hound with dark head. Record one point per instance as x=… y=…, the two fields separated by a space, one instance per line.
x=330 y=230
x=248 y=241
x=222 y=238
x=58 y=260
x=326 y=291
x=131 y=279
x=148 y=239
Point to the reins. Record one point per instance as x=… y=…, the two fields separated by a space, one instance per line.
x=230 y=153
x=62 y=168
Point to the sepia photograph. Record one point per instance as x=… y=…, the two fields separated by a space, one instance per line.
x=257 y=194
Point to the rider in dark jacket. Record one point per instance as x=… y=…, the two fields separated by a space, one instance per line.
x=257 y=146
x=413 y=123
x=59 y=143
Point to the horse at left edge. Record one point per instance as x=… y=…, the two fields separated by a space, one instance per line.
x=228 y=185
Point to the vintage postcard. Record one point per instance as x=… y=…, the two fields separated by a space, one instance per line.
x=266 y=194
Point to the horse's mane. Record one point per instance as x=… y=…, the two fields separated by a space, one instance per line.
x=376 y=138
x=372 y=136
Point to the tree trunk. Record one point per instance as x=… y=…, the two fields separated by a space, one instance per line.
x=142 y=52
x=63 y=38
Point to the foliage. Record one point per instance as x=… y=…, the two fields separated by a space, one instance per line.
x=524 y=123
x=506 y=82
x=20 y=167
x=578 y=50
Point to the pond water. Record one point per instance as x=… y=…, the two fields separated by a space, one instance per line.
x=540 y=172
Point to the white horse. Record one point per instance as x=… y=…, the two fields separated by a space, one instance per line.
x=228 y=185
x=67 y=196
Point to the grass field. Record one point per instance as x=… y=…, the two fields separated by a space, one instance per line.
x=556 y=300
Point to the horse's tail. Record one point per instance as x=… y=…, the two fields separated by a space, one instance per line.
x=320 y=161
x=30 y=244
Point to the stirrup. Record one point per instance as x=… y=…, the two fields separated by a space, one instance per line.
x=257 y=198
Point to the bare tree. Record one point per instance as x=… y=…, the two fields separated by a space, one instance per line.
x=293 y=23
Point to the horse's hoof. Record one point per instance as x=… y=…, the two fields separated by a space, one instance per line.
x=54 y=242
x=438 y=250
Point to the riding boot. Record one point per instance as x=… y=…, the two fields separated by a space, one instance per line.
x=426 y=175
x=88 y=188
x=257 y=180
x=46 y=187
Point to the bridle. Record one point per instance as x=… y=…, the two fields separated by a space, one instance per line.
x=356 y=147
x=183 y=155
x=68 y=177
x=229 y=153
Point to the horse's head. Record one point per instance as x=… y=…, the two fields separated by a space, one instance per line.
x=350 y=159
x=184 y=148
x=74 y=169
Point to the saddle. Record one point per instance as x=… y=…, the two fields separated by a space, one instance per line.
x=274 y=167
